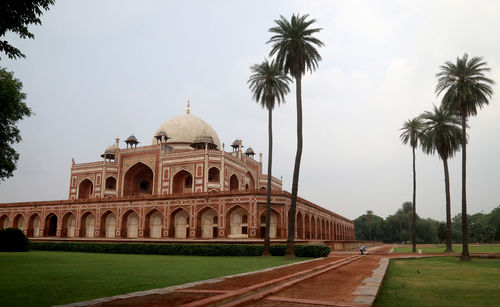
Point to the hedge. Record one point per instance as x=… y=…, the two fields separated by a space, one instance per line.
x=13 y=240
x=314 y=251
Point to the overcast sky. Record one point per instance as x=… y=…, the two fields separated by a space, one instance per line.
x=98 y=70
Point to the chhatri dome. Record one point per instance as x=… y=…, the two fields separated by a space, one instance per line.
x=184 y=129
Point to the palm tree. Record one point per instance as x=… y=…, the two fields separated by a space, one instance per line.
x=269 y=85
x=295 y=48
x=466 y=90
x=412 y=133
x=442 y=134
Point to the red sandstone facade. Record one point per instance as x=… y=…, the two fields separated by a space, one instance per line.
x=182 y=187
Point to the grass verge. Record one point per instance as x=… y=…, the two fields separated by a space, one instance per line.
x=456 y=248
x=441 y=281
x=41 y=278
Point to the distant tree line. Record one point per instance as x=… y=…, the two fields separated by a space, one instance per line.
x=396 y=228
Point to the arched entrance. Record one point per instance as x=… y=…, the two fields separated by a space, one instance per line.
x=300 y=226
x=108 y=225
x=237 y=223
x=87 y=225
x=50 y=225
x=154 y=224
x=207 y=223
x=34 y=226
x=183 y=182
x=68 y=227
x=179 y=219
x=249 y=182
x=110 y=183
x=4 y=222
x=313 y=227
x=307 y=225
x=273 y=225
x=213 y=175
x=138 y=180
x=130 y=225
x=19 y=222
x=233 y=183
x=85 y=189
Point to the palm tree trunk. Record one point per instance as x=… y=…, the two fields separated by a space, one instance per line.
x=448 y=206
x=414 y=213
x=465 y=244
x=290 y=247
x=267 y=239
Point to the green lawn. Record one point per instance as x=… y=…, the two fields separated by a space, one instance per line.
x=456 y=248
x=39 y=278
x=443 y=281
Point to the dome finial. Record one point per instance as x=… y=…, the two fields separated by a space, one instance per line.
x=188 y=110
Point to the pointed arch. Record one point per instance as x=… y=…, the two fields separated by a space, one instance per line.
x=234 y=183
x=249 y=181
x=138 y=180
x=87 y=225
x=34 y=223
x=18 y=222
x=207 y=223
x=110 y=183
x=153 y=224
x=4 y=221
x=50 y=229
x=300 y=226
x=130 y=224
x=274 y=225
x=313 y=227
x=214 y=174
x=179 y=223
x=307 y=226
x=237 y=222
x=68 y=225
x=182 y=182
x=108 y=224
x=85 y=189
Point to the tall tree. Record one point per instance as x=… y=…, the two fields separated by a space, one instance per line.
x=15 y=16
x=412 y=134
x=466 y=90
x=12 y=109
x=295 y=48
x=442 y=134
x=269 y=84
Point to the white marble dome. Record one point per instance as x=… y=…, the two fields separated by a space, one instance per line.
x=184 y=128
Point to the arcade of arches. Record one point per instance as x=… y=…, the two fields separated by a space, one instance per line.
x=179 y=224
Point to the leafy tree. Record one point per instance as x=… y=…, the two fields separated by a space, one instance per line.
x=442 y=134
x=369 y=227
x=269 y=85
x=442 y=232
x=482 y=232
x=494 y=221
x=295 y=48
x=466 y=90
x=15 y=16
x=12 y=109
x=412 y=134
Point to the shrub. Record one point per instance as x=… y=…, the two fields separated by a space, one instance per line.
x=13 y=240
x=180 y=249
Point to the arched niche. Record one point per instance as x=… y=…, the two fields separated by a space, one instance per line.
x=300 y=226
x=179 y=221
x=154 y=224
x=34 y=224
x=130 y=225
x=68 y=225
x=18 y=222
x=4 y=221
x=87 y=225
x=182 y=182
x=307 y=226
x=138 y=180
x=50 y=225
x=234 y=184
x=273 y=225
x=110 y=184
x=213 y=174
x=207 y=222
x=249 y=182
x=85 y=189
x=108 y=225
x=237 y=223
